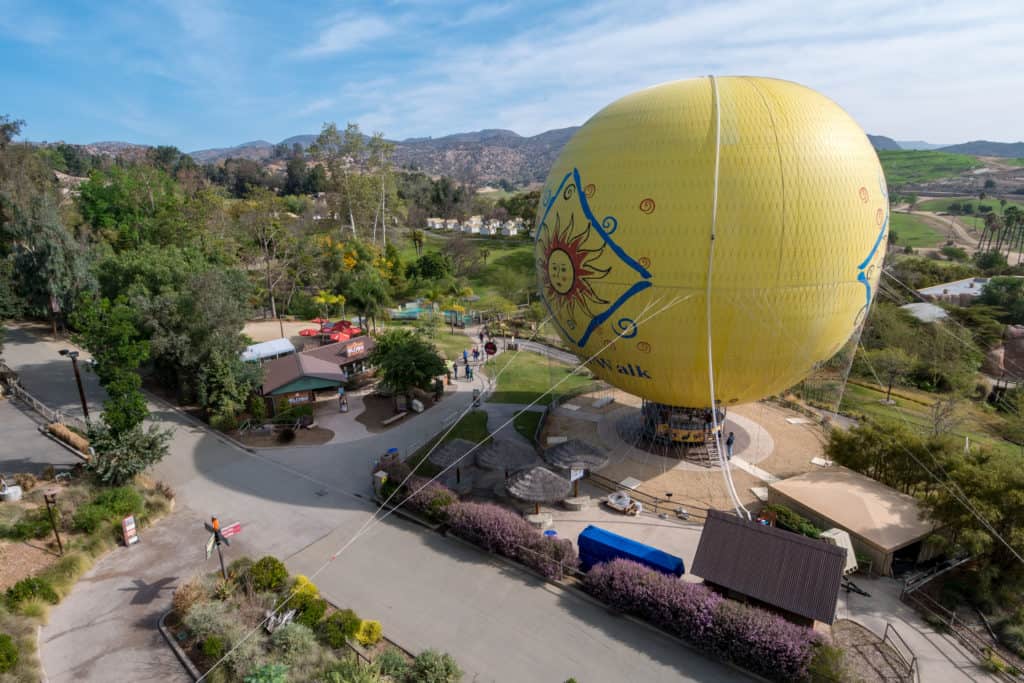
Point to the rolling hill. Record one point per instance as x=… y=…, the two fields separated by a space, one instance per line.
x=986 y=148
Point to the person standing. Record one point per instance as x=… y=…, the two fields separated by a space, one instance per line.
x=481 y=336
x=728 y=445
x=465 y=356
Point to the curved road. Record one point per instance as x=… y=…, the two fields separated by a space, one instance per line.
x=303 y=504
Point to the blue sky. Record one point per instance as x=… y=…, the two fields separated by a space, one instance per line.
x=201 y=74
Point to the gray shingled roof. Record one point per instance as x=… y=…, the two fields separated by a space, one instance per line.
x=450 y=452
x=780 y=568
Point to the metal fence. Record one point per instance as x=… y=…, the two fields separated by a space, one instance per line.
x=47 y=413
x=893 y=638
x=651 y=503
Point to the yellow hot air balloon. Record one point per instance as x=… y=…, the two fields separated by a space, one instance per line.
x=756 y=199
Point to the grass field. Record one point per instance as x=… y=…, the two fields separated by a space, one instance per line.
x=914 y=232
x=914 y=407
x=528 y=375
x=906 y=166
x=941 y=205
x=1014 y=162
x=526 y=422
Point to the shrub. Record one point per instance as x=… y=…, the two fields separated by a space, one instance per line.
x=30 y=588
x=683 y=609
x=491 y=527
x=8 y=653
x=186 y=595
x=338 y=627
x=213 y=647
x=90 y=517
x=286 y=435
x=791 y=521
x=268 y=574
x=207 y=619
x=240 y=567
x=764 y=643
x=268 y=673
x=121 y=501
x=76 y=441
x=310 y=612
x=352 y=670
x=429 y=498
x=431 y=666
x=829 y=664
x=391 y=662
x=550 y=557
x=294 y=641
x=63 y=573
x=224 y=422
x=370 y=632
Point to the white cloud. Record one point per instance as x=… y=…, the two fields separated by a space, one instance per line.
x=315 y=106
x=346 y=33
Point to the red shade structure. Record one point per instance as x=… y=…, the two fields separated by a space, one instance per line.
x=318 y=320
x=308 y=332
x=338 y=336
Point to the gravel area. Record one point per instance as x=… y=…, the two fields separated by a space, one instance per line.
x=868 y=658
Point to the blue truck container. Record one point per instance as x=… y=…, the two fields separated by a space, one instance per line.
x=597 y=545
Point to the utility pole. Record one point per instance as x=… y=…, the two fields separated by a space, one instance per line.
x=73 y=355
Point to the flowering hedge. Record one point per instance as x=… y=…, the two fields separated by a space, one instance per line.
x=751 y=637
x=429 y=498
x=503 y=531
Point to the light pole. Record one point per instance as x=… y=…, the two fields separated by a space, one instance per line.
x=73 y=355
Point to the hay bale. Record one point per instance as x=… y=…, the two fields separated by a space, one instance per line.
x=62 y=432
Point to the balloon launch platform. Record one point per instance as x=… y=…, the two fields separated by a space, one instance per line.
x=675 y=432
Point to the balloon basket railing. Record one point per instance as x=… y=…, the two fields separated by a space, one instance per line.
x=677 y=432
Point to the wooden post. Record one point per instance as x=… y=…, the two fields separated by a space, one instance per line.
x=51 y=500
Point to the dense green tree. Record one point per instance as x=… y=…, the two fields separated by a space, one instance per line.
x=108 y=330
x=523 y=205
x=891 y=364
x=429 y=266
x=404 y=360
x=131 y=206
x=295 y=176
x=370 y=296
x=316 y=180
x=122 y=455
x=1006 y=294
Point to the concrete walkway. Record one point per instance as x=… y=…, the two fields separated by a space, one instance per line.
x=303 y=505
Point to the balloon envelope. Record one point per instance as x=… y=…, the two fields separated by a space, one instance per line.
x=624 y=237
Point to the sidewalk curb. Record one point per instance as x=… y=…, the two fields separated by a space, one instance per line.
x=199 y=423
x=39 y=654
x=189 y=667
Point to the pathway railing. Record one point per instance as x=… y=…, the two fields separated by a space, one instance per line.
x=47 y=413
x=900 y=647
x=651 y=503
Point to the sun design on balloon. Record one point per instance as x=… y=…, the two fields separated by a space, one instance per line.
x=569 y=268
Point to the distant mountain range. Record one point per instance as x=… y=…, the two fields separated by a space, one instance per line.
x=492 y=155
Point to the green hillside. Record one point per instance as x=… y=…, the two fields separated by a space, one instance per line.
x=912 y=231
x=942 y=205
x=911 y=166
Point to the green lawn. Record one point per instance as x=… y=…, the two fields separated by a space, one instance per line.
x=906 y=166
x=942 y=205
x=914 y=407
x=526 y=422
x=472 y=427
x=452 y=345
x=1015 y=162
x=914 y=232
x=528 y=375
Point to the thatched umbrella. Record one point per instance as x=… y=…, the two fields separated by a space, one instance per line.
x=537 y=485
x=575 y=454
x=447 y=454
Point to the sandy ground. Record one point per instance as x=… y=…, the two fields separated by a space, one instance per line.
x=868 y=658
x=779 y=447
x=265 y=330
x=21 y=559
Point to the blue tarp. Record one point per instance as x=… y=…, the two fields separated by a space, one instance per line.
x=598 y=545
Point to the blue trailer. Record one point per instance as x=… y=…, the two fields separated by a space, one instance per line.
x=597 y=545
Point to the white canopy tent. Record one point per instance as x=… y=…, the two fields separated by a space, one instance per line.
x=275 y=348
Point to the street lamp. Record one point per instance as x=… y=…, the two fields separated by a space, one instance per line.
x=73 y=355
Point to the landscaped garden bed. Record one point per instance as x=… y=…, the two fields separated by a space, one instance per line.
x=35 y=575
x=221 y=625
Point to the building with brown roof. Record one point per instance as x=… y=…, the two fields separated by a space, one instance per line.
x=884 y=525
x=795 y=576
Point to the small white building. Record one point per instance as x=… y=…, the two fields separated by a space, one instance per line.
x=451 y=224
x=488 y=230
x=509 y=229
x=435 y=224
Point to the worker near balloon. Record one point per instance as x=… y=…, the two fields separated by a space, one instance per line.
x=760 y=193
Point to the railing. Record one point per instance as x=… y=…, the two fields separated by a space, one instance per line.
x=48 y=414
x=651 y=503
x=974 y=643
x=901 y=648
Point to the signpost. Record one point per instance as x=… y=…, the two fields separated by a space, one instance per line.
x=131 y=536
x=574 y=476
x=220 y=537
x=490 y=348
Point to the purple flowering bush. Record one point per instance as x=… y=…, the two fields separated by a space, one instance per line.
x=762 y=642
x=550 y=557
x=491 y=527
x=751 y=637
x=429 y=498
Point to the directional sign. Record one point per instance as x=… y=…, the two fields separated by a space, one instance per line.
x=209 y=545
x=575 y=474
x=131 y=536
x=229 y=531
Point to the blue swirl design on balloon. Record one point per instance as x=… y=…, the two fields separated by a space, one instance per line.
x=604 y=229
x=626 y=327
x=863 y=275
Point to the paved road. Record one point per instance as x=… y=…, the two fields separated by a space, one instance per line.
x=303 y=505
x=23 y=448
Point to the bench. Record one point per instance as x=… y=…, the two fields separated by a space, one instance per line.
x=393 y=418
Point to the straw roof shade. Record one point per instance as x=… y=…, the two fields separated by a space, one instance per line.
x=537 y=485
x=575 y=454
x=447 y=454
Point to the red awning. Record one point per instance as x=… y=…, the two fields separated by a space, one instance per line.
x=308 y=332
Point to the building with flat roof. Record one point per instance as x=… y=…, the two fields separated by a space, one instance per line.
x=885 y=525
